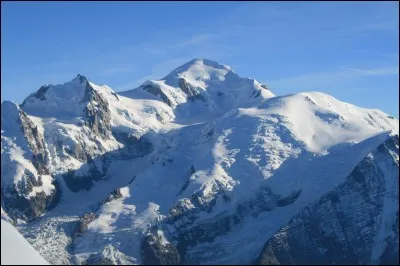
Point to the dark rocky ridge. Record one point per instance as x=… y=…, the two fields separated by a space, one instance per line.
x=37 y=145
x=97 y=112
x=341 y=227
x=15 y=198
x=156 y=91
x=155 y=252
x=191 y=92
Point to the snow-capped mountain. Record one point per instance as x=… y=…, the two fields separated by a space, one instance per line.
x=202 y=89
x=202 y=166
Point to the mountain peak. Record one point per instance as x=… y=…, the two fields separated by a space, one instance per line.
x=80 y=78
x=205 y=66
x=207 y=62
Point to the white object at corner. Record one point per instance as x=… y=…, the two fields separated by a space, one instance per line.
x=15 y=249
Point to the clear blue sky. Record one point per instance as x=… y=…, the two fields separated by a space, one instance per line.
x=346 y=49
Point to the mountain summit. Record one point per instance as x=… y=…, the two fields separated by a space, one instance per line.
x=200 y=167
x=202 y=88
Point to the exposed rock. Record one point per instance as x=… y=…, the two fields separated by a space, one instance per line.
x=133 y=146
x=83 y=223
x=156 y=91
x=97 y=112
x=19 y=206
x=115 y=194
x=82 y=182
x=157 y=251
x=191 y=92
x=40 y=158
x=264 y=86
x=109 y=255
x=191 y=171
x=343 y=227
x=78 y=152
x=19 y=199
x=40 y=94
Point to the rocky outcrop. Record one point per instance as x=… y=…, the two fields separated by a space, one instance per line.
x=109 y=255
x=27 y=197
x=192 y=93
x=179 y=223
x=19 y=206
x=156 y=91
x=37 y=145
x=83 y=223
x=77 y=182
x=78 y=152
x=97 y=112
x=156 y=250
x=133 y=146
x=356 y=223
x=115 y=194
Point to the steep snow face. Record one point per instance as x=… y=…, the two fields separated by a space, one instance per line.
x=62 y=101
x=65 y=130
x=359 y=218
x=135 y=116
x=321 y=121
x=15 y=152
x=15 y=250
x=99 y=121
x=203 y=89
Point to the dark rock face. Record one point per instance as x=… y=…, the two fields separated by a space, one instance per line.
x=79 y=153
x=189 y=90
x=40 y=94
x=324 y=233
x=156 y=91
x=40 y=158
x=18 y=206
x=83 y=223
x=183 y=215
x=16 y=199
x=97 y=112
x=346 y=225
x=191 y=171
x=109 y=255
x=115 y=194
x=76 y=183
x=155 y=252
x=134 y=147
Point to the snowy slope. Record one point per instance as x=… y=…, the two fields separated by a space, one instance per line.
x=235 y=156
x=190 y=168
x=15 y=250
x=359 y=218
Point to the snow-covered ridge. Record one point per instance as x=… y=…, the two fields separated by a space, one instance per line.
x=202 y=89
x=364 y=206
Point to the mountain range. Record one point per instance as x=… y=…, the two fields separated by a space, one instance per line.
x=200 y=167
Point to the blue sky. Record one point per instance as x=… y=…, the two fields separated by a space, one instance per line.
x=346 y=49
